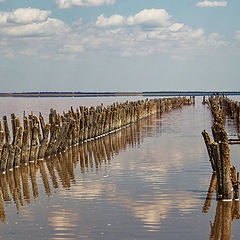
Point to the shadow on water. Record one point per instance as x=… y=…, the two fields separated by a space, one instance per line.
x=226 y=212
x=21 y=185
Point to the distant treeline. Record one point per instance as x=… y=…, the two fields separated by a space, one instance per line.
x=106 y=94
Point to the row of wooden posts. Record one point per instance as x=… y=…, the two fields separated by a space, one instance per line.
x=20 y=186
x=230 y=108
x=37 y=139
x=219 y=152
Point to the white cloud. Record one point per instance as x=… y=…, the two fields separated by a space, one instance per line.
x=237 y=35
x=30 y=22
x=29 y=15
x=150 y=17
x=82 y=3
x=147 y=18
x=207 y=3
x=48 y=27
x=24 y=15
x=114 y=20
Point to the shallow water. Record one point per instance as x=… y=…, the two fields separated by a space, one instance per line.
x=147 y=181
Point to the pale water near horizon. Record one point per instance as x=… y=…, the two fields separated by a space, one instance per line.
x=147 y=181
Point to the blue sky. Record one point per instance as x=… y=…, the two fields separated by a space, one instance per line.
x=119 y=45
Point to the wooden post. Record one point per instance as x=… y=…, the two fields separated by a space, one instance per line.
x=4 y=157
x=18 y=143
x=2 y=136
x=34 y=144
x=53 y=131
x=44 y=143
x=208 y=145
x=226 y=174
x=11 y=157
x=25 y=143
x=218 y=164
x=235 y=183
x=14 y=128
x=6 y=129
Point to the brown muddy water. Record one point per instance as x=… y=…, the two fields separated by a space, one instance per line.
x=147 y=181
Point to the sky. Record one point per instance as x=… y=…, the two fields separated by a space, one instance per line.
x=119 y=45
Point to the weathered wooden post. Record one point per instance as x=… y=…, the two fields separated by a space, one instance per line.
x=2 y=136
x=25 y=143
x=4 y=157
x=34 y=144
x=44 y=143
x=235 y=183
x=209 y=150
x=18 y=143
x=11 y=155
x=6 y=129
x=218 y=163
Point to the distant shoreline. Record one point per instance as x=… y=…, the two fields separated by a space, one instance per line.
x=114 y=94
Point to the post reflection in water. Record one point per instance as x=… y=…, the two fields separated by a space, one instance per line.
x=226 y=212
x=21 y=183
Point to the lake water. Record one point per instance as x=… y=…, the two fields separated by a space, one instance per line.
x=147 y=181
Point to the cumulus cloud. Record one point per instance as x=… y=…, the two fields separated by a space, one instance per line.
x=82 y=3
x=48 y=27
x=24 y=15
x=207 y=3
x=150 y=17
x=147 y=17
x=30 y=22
x=114 y=20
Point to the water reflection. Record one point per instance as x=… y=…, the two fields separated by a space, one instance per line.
x=226 y=212
x=22 y=184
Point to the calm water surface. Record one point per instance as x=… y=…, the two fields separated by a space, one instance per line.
x=147 y=181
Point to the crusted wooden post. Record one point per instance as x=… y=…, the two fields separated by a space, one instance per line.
x=236 y=188
x=11 y=157
x=44 y=142
x=34 y=144
x=6 y=129
x=53 y=133
x=4 y=157
x=25 y=143
x=2 y=136
x=226 y=174
x=14 y=128
x=62 y=134
x=235 y=183
x=18 y=143
x=208 y=145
